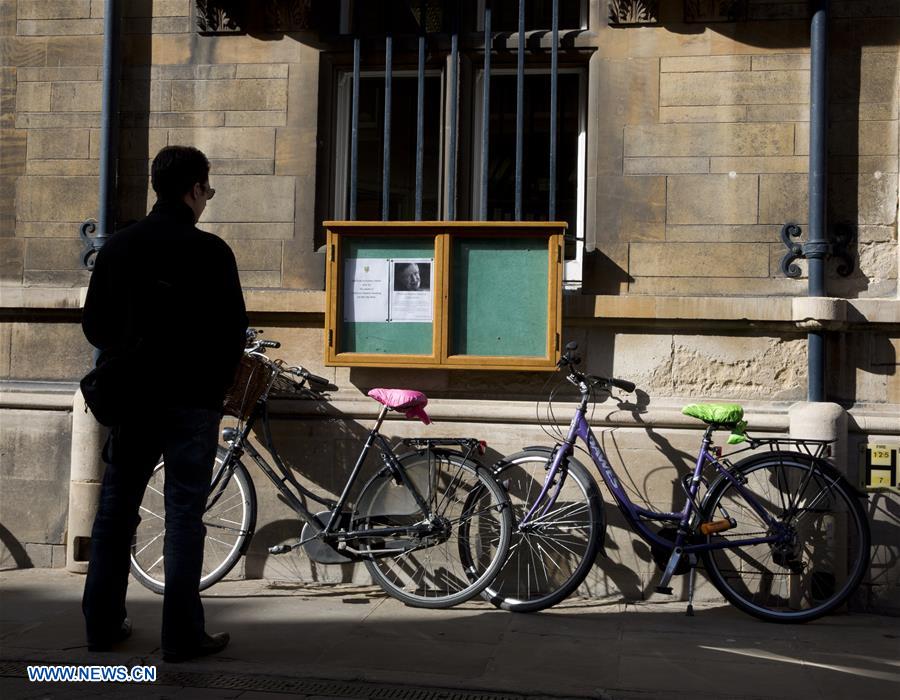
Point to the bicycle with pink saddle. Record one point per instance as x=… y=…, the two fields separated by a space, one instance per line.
x=432 y=526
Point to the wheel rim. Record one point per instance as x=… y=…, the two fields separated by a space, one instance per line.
x=226 y=522
x=819 y=556
x=546 y=554
x=468 y=518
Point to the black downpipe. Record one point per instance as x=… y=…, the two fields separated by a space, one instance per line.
x=816 y=248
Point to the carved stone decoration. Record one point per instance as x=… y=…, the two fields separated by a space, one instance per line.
x=433 y=14
x=715 y=10
x=219 y=16
x=288 y=16
x=625 y=12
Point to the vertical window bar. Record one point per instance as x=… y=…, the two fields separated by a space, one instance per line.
x=554 y=79
x=386 y=166
x=454 y=117
x=420 y=111
x=520 y=108
x=354 y=127
x=486 y=109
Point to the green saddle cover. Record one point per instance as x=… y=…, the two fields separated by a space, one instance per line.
x=728 y=415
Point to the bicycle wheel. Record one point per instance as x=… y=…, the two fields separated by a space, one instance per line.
x=550 y=556
x=469 y=512
x=822 y=555
x=229 y=522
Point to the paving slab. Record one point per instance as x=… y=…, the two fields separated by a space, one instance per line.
x=341 y=641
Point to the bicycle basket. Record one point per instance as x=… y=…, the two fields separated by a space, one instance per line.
x=250 y=381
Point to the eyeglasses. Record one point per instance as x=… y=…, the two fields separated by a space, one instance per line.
x=210 y=192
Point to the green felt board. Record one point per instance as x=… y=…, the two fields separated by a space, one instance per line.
x=498 y=297
x=387 y=338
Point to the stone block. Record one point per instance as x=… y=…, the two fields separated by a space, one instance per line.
x=752 y=164
x=303 y=268
x=59 y=120
x=12 y=260
x=778 y=113
x=27 y=453
x=190 y=72
x=180 y=120
x=703 y=114
x=703 y=64
x=252 y=198
x=53 y=253
x=710 y=199
x=736 y=233
x=57 y=278
x=665 y=166
x=12 y=152
x=58 y=143
x=235 y=166
x=59 y=27
x=295 y=151
x=867 y=198
x=250 y=231
x=139 y=143
x=63 y=167
x=8 y=205
x=58 y=73
x=783 y=198
x=223 y=142
x=76 y=97
x=59 y=9
x=33 y=510
x=260 y=278
x=879 y=75
x=48 y=351
x=257 y=254
x=143 y=96
x=33 y=97
x=701 y=286
x=255 y=70
x=788 y=61
x=249 y=94
x=303 y=95
x=694 y=140
x=254 y=118
x=628 y=204
x=693 y=259
x=734 y=88
x=866 y=138
x=251 y=49
x=75 y=50
x=156 y=26
x=56 y=198
x=22 y=51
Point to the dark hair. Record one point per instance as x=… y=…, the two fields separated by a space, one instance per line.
x=176 y=169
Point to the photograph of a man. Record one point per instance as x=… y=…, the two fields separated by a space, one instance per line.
x=412 y=276
x=165 y=301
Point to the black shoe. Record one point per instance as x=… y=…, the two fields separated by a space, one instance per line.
x=123 y=633
x=211 y=644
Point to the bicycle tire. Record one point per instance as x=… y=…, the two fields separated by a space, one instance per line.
x=795 y=581
x=547 y=563
x=476 y=515
x=220 y=552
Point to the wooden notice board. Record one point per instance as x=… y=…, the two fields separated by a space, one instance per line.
x=437 y=294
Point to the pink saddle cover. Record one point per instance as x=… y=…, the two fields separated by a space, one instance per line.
x=410 y=403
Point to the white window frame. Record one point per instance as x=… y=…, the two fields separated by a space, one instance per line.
x=572 y=276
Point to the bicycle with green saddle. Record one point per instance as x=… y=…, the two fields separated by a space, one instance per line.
x=779 y=531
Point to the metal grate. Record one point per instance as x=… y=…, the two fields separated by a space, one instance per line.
x=300 y=686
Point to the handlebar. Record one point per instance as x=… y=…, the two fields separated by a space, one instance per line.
x=572 y=357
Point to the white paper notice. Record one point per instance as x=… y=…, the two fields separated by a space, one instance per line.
x=412 y=295
x=366 y=285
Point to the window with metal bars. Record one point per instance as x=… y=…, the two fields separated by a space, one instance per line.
x=413 y=122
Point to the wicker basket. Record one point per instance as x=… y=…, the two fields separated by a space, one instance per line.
x=250 y=381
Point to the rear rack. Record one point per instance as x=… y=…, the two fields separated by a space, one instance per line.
x=816 y=449
x=468 y=444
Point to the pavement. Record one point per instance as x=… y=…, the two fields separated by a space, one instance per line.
x=339 y=641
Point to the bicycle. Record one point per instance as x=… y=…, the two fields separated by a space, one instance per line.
x=412 y=522
x=781 y=534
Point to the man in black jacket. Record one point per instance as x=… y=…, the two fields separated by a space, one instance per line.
x=166 y=296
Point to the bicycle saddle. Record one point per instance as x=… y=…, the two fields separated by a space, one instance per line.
x=725 y=414
x=410 y=403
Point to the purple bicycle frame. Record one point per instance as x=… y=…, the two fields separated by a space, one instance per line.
x=579 y=428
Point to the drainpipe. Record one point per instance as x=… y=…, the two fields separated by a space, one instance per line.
x=816 y=249
x=88 y=436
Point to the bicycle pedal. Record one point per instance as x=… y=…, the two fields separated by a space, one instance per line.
x=664 y=589
x=280 y=549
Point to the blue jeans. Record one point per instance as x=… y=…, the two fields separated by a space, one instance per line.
x=186 y=438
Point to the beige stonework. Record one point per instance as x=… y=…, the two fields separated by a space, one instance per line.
x=722 y=199
x=249 y=94
x=59 y=9
x=56 y=198
x=709 y=139
x=691 y=259
x=734 y=88
x=58 y=144
x=256 y=198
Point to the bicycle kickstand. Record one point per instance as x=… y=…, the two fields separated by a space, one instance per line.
x=691 y=576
